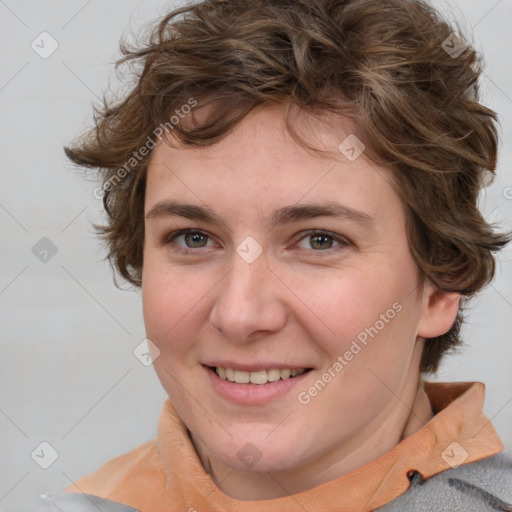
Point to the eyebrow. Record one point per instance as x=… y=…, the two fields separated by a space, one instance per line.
x=287 y=214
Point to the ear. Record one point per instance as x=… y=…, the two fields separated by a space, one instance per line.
x=439 y=311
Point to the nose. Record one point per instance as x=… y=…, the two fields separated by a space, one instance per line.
x=250 y=301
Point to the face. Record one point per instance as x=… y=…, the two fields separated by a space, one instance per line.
x=333 y=292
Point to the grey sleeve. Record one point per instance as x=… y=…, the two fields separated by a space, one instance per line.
x=79 y=502
x=482 y=486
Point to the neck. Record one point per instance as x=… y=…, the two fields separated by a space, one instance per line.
x=385 y=432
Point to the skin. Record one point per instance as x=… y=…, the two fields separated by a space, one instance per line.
x=304 y=300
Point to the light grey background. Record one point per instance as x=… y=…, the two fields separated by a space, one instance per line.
x=68 y=373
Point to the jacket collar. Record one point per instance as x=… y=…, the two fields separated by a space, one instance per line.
x=166 y=473
x=459 y=433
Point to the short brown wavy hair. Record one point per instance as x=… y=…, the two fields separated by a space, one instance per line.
x=385 y=64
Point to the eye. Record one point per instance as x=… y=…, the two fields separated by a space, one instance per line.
x=320 y=241
x=193 y=239
x=323 y=241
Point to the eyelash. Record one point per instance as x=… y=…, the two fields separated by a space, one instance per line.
x=170 y=238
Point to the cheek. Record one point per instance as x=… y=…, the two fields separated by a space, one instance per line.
x=371 y=315
x=371 y=355
x=154 y=303
x=166 y=298
x=175 y=302
x=353 y=301
x=166 y=301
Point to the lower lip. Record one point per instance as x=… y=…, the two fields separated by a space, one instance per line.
x=253 y=394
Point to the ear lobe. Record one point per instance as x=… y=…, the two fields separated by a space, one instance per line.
x=439 y=312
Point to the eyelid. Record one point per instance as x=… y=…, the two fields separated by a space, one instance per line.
x=342 y=241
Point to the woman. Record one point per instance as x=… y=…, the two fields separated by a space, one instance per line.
x=293 y=186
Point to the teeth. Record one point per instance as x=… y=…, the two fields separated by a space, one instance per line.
x=285 y=374
x=273 y=375
x=258 y=377
x=242 y=377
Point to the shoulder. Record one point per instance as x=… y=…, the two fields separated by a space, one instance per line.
x=134 y=468
x=484 y=485
x=137 y=469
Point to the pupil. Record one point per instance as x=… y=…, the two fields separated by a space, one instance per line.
x=324 y=237
x=196 y=237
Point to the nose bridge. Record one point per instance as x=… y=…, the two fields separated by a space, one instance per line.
x=246 y=300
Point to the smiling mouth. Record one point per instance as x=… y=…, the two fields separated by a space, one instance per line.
x=257 y=377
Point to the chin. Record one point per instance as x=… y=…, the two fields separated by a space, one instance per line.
x=260 y=457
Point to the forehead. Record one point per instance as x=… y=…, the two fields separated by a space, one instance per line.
x=259 y=165
x=264 y=132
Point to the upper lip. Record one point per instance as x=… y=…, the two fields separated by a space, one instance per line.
x=254 y=367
